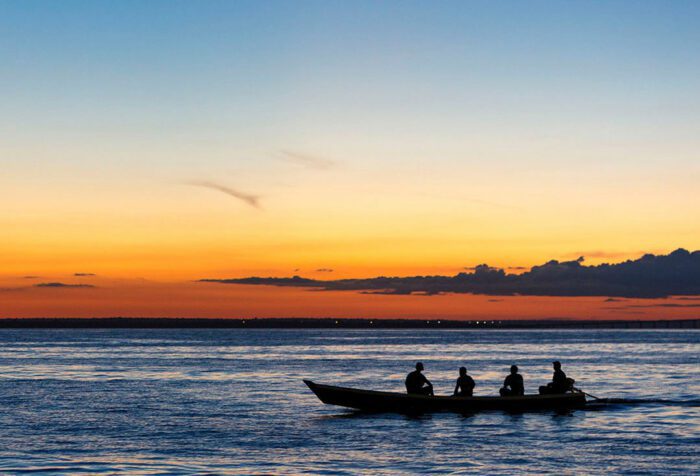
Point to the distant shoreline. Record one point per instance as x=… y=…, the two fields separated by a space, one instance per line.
x=332 y=323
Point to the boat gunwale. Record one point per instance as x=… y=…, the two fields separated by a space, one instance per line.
x=446 y=398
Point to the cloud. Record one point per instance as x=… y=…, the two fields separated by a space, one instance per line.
x=651 y=306
x=309 y=161
x=484 y=267
x=62 y=285
x=481 y=267
x=675 y=274
x=293 y=281
x=324 y=270
x=83 y=274
x=31 y=277
x=603 y=254
x=252 y=200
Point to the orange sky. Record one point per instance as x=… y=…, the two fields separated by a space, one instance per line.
x=389 y=138
x=141 y=298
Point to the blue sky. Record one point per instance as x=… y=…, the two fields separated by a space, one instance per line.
x=290 y=71
x=525 y=130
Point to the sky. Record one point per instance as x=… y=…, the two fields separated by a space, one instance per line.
x=154 y=144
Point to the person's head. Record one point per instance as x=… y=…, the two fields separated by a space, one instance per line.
x=419 y=366
x=556 y=364
x=462 y=371
x=514 y=369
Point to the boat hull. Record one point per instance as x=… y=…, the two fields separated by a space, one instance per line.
x=374 y=401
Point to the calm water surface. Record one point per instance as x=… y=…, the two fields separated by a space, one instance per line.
x=232 y=402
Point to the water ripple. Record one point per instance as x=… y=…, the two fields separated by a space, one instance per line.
x=232 y=402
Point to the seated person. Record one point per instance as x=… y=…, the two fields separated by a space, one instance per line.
x=417 y=383
x=513 y=385
x=465 y=384
x=559 y=384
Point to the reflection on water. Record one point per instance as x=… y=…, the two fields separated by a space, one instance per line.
x=232 y=401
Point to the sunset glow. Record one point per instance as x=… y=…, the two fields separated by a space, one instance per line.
x=335 y=142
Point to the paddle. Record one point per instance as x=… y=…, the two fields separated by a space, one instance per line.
x=588 y=394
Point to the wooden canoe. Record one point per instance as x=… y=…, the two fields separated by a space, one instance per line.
x=374 y=401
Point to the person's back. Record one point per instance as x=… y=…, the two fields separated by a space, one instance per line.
x=516 y=384
x=465 y=384
x=513 y=385
x=414 y=381
x=560 y=382
x=417 y=383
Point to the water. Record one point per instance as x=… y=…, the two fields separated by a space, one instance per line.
x=232 y=402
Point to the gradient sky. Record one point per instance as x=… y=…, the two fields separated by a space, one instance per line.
x=374 y=137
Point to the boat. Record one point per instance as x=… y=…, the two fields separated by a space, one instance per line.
x=394 y=402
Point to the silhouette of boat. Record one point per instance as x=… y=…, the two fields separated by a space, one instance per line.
x=374 y=401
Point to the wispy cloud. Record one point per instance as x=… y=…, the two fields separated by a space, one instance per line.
x=309 y=161
x=653 y=306
x=83 y=274
x=62 y=285
x=250 y=199
x=599 y=254
x=474 y=200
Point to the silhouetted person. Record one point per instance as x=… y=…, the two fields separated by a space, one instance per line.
x=513 y=385
x=465 y=384
x=560 y=383
x=417 y=383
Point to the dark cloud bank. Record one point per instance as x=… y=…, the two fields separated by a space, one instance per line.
x=650 y=276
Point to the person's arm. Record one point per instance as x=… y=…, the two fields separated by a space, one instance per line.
x=456 y=387
x=426 y=381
